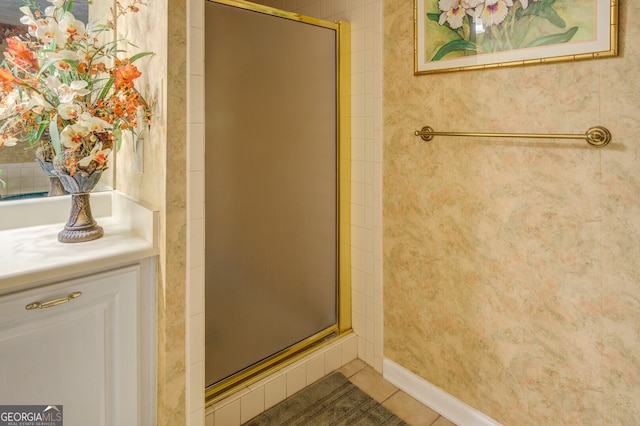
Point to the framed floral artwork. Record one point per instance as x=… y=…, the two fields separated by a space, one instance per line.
x=455 y=35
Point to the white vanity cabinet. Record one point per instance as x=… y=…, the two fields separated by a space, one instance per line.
x=84 y=343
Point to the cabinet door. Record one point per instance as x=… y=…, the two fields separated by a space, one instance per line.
x=81 y=354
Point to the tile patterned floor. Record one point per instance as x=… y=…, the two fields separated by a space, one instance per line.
x=401 y=404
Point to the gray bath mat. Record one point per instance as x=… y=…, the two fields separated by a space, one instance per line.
x=333 y=400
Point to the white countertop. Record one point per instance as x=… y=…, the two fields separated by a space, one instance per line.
x=32 y=254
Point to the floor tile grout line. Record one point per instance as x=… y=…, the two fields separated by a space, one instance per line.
x=399 y=390
x=394 y=392
x=435 y=421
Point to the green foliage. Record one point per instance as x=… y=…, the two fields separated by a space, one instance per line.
x=55 y=135
x=455 y=46
x=513 y=32
x=543 y=9
x=553 y=38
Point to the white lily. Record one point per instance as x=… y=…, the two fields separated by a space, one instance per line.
x=63 y=56
x=28 y=18
x=69 y=111
x=452 y=12
x=73 y=135
x=494 y=11
x=72 y=27
x=68 y=93
x=95 y=124
x=48 y=31
x=97 y=154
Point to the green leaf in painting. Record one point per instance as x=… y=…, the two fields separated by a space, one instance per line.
x=454 y=46
x=554 y=38
x=433 y=16
x=545 y=10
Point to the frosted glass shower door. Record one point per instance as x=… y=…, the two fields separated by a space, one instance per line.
x=271 y=179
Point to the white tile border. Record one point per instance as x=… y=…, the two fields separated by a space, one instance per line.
x=435 y=398
x=194 y=306
x=283 y=383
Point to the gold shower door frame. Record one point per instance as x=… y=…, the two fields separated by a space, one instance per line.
x=229 y=385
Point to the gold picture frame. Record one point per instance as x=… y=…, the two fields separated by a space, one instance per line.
x=457 y=35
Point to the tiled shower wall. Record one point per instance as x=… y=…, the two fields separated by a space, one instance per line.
x=22 y=178
x=365 y=17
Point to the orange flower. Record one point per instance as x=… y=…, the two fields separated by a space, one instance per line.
x=100 y=157
x=125 y=74
x=84 y=68
x=19 y=54
x=7 y=80
x=84 y=75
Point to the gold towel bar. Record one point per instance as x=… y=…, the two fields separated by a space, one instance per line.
x=597 y=136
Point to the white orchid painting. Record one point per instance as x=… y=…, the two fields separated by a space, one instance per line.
x=459 y=34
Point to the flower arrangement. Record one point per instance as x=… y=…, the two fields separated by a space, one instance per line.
x=64 y=83
x=485 y=26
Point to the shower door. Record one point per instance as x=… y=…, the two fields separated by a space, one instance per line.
x=271 y=186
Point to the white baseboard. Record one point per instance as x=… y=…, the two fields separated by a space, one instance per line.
x=435 y=398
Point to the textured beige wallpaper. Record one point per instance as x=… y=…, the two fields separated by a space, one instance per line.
x=511 y=267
